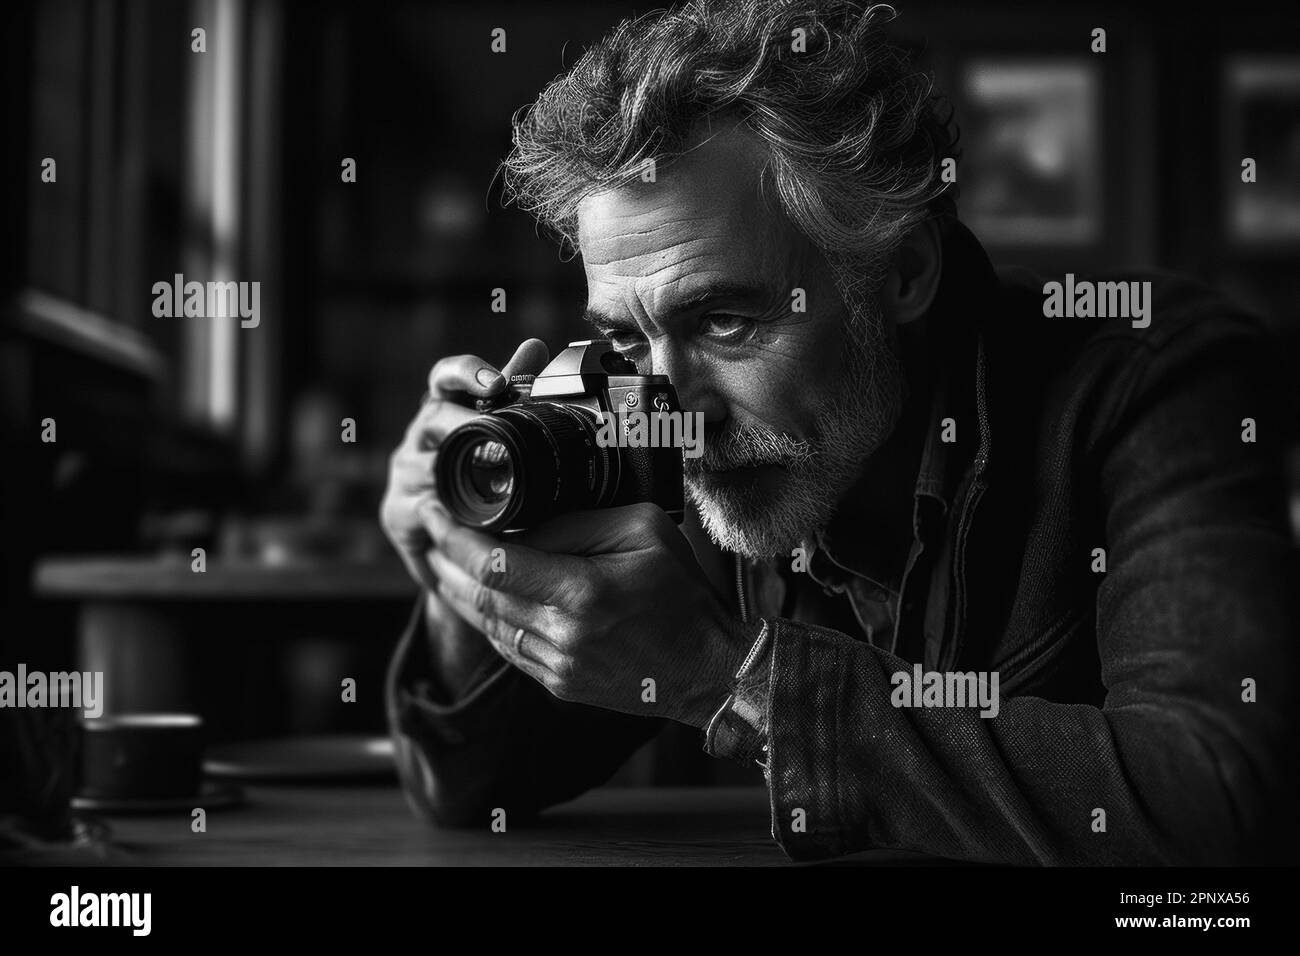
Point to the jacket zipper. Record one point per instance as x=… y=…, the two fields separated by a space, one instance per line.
x=982 y=408
x=740 y=589
x=951 y=654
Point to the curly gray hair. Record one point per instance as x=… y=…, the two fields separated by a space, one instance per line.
x=855 y=136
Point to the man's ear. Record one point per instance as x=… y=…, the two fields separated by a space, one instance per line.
x=914 y=274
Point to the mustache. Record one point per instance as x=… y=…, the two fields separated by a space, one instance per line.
x=748 y=445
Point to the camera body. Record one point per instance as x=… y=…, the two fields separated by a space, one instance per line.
x=542 y=447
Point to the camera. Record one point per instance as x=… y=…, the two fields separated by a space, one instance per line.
x=541 y=448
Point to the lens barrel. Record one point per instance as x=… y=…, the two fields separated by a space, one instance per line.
x=517 y=466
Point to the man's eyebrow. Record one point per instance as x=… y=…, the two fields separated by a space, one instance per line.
x=745 y=292
x=604 y=322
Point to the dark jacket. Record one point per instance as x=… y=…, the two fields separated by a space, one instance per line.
x=1127 y=730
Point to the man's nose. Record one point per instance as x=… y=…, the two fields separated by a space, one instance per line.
x=693 y=377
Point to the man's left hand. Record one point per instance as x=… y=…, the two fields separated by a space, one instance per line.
x=607 y=600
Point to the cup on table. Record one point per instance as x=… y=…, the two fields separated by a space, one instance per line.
x=141 y=756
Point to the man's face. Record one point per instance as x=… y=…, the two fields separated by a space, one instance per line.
x=691 y=277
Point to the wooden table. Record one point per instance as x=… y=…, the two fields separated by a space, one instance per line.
x=372 y=826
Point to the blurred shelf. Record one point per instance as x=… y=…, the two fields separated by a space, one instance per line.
x=64 y=323
x=133 y=577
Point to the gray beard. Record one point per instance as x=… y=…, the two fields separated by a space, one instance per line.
x=851 y=424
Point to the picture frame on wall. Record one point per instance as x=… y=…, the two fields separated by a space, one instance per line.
x=1261 y=120
x=1031 y=151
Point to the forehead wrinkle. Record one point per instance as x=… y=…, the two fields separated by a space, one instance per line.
x=683 y=264
x=648 y=265
x=643 y=241
x=649 y=284
x=620 y=213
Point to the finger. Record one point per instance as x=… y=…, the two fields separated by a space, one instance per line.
x=467 y=374
x=534 y=656
x=503 y=566
x=525 y=663
x=434 y=422
x=529 y=359
x=496 y=615
x=410 y=538
x=413 y=472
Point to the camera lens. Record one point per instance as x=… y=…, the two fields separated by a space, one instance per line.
x=517 y=466
x=486 y=477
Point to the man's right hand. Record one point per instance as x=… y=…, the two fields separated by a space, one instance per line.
x=454 y=384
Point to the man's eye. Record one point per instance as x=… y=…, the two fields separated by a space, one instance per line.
x=731 y=329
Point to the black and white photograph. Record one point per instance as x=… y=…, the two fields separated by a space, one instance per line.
x=1263 y=111
x=716 y=434
x=1033 y=152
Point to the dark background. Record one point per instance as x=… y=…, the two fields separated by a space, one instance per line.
x=176 y=433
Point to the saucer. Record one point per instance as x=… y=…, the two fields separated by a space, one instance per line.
x=212 y=795
x=304 y=759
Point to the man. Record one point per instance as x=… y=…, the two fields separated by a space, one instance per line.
x=961 y=577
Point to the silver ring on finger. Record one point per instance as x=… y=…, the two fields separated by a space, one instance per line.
x=519 y=642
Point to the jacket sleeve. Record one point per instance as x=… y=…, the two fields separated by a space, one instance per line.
x=1190 y=761
x=507 y=743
